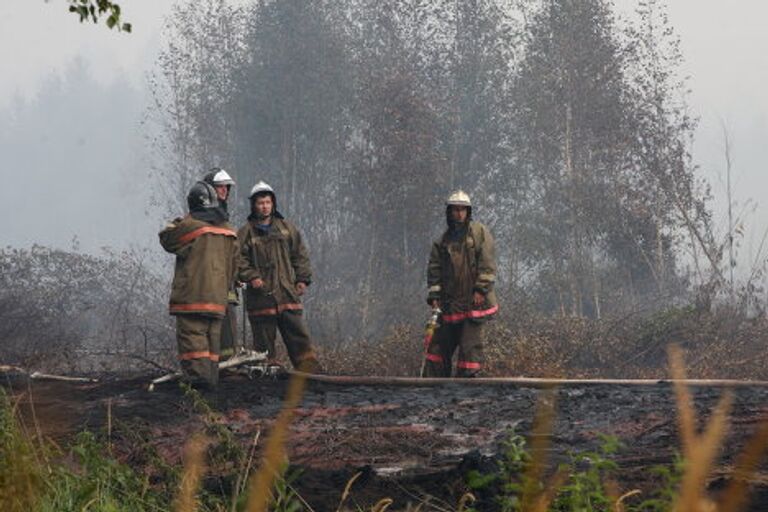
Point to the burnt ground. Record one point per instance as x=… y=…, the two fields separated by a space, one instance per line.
x=410 y=441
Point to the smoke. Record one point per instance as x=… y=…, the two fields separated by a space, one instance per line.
x=73 y=164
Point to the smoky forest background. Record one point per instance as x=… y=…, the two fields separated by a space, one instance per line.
x=566 y=124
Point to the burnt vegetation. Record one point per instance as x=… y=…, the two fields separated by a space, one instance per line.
x=567 y=125
x=70 y=312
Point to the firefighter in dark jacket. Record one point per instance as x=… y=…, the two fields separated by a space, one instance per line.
x=222 y=182
x=205 y=246
x=274 y=264
x=460 y=279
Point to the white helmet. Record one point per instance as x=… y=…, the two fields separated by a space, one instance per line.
x=459 y=198
x=218 y=176
x=261 y=187
x=222 y=177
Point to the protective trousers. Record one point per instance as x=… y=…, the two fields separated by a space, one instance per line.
x=295 y=337
x=467 y=336
x=229 y=342
x=198 y=338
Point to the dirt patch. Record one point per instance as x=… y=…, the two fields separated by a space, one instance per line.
x=408 y=441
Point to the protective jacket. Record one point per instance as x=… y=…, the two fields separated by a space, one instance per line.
x=277 y=256
x=206 y=258
x=461 y=263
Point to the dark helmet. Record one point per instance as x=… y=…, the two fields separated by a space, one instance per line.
x=202 y=196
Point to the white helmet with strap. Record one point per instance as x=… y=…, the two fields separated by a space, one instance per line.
x=458 y=198
x=260 y=188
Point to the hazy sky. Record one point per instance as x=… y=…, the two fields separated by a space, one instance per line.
x=724 y=44
x=40 y=37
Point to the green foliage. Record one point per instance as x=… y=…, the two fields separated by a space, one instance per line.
x=585 y=490
x=89 y=477
x=96 y=9
x=85 y=478
x=506 y=484
x=284 y=495
x=100 y=482
x=669 y=478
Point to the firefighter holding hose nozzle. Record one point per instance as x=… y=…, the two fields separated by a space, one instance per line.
x=460 y=279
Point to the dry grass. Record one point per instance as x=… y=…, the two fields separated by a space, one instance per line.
x=194 y=469
x=721 y=344
x=399 y=353
x=21 y=468
x=263 y=480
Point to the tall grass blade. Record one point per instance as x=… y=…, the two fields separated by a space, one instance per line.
x=540 y=441
x=382 y=505
x=700 y=451
x=347 y=489
x=735 y=496
x=194 y=469
x=261 y=482
x=686 y=415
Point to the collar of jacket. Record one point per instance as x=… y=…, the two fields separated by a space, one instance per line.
x=256 y=220
x=213 y=216
x=457 y=231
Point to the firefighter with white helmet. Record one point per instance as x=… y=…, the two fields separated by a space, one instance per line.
x=460 y=279
x=274 y=264
x=222 y=182
x=459 y=198
x=205 y=247
x=219 y=176
x=261 y=188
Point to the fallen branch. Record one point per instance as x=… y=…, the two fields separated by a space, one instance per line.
x=241 y=358
x=4 y=368
x=48 y=376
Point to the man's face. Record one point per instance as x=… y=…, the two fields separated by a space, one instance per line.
x=222 y=191
x=458 y=213
x=263 y=205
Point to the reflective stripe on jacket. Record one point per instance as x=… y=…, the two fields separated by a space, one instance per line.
x=279 y=258
x=458 y=268
x=205 y=265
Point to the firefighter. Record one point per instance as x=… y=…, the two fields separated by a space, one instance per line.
x=274 y=264
x=222 y=182
x=205 y=246
x=460 y=279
